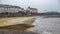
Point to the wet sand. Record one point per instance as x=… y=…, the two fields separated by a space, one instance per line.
x=4 y=31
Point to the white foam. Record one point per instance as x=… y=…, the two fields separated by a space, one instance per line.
x=44 y=32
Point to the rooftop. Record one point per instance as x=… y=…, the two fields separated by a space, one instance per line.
x=9 y=6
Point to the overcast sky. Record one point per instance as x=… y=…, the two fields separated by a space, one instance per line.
x=41 y=5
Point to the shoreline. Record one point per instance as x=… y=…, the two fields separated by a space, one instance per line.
x=4 y=31
x=51 y=16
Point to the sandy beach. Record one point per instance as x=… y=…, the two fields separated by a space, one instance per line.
x=15 y=29
x=13 y=21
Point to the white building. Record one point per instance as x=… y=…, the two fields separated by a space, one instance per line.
x=32 y=10
x=9 y=8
